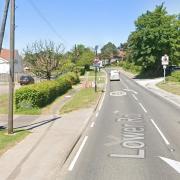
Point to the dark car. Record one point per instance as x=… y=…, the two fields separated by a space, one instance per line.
x=26 y=79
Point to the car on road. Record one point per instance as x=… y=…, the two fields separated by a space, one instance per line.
x=114 y=75
x=26 y=79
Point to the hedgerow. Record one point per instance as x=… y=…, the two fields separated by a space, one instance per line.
x=41 y=94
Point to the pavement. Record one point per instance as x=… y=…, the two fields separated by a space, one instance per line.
x=42 y=153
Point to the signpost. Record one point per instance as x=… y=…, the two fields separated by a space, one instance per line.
x=96 y=65
x=165 y=62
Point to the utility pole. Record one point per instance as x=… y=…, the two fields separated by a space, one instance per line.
x=3 y=25
x=11 y=69
x=95 y=86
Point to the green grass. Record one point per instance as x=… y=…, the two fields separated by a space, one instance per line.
x=173 y=87
x=4 y=104
x=32 y=111
x=7 y=141
x=92 y=73
x=83 y=99
x=4 y=107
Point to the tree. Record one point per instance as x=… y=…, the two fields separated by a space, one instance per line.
x=81 y=55
x=108 y=51
x=156 y=34
x=43 y=58
x=86 y=58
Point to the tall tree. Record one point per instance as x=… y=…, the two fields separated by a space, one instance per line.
x=156 y=34
x=108 y=51
x=43 y=58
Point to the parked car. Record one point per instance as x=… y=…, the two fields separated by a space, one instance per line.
x=26 y=79
x=114 y=75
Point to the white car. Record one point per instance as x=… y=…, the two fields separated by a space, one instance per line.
x=114 y=75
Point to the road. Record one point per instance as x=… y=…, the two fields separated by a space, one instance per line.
x=134 y=136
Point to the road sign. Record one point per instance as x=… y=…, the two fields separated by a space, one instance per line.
x=165 y=60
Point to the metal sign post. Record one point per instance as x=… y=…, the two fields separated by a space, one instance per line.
x=165 y=62
x=164 y=67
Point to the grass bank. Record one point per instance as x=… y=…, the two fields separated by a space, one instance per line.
x=83 y=99
x=172 y=83
x=7 y=141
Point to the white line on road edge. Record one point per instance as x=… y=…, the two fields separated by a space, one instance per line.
x=102 y=100
x=160 y=132
x=97 y=114
x=77 y=154
x=143 y=107
x=134 y=97
x=92 y=124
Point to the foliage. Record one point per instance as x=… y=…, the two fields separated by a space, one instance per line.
x=108 y=51
x=174 y=77
x=130 y=67
x=42 y=94
x=43 y=58
x=156 y=34
x=81 y=56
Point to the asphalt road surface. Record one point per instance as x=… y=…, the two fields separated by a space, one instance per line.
x=134 y=136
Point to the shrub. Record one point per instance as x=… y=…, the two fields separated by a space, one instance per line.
x=41 y=94
x=175 y=76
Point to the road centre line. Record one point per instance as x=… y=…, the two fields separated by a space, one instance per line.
x=92 y=124
x=143 y=107
x=135 y=97
x=77 y=154
x=160 y=132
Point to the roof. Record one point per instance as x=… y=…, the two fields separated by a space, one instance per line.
x=5 y=54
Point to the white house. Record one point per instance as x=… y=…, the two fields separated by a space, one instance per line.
x=4 y=62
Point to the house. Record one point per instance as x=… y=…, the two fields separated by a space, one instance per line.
x=4 y=62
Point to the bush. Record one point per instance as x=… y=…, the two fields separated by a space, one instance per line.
x=130 y=67
x=175 y=76
x=42 y=94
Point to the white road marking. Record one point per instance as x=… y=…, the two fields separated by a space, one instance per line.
x=97 y=114
x=143 y=107
x=174 y=164
x=140 y=155
x=135 y=97
x=160 y=132
x=77 y=154
x=130 y=91
x=102 y=100
x=92 y=124
x=117 y=93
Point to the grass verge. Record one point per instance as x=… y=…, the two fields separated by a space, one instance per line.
x=4 y=104
x=7 y=141
x=83 y=99
x=173 y=87
x=4 y=107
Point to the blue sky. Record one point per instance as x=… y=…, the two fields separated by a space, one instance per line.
x=90 y=22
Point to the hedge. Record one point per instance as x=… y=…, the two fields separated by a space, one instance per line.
x=41 y=94
x=175 y=76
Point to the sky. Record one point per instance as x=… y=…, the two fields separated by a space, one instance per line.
x=88 y=22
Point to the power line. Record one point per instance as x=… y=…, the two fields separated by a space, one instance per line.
x=46 y=21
